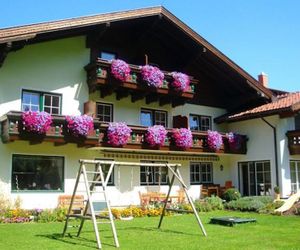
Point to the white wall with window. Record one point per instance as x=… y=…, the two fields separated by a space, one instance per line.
x=295 y=175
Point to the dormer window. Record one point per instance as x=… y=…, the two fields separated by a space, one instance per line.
x=107 y=55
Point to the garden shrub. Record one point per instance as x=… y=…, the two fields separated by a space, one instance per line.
x=203 y=206
x=270 y=207
x=215 y=202
x=231 y=194
x=251 y=203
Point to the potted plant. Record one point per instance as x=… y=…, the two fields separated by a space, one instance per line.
x=79 y=126
x=156 y=135
x=181 y=82
x=152 y=76
x=183 y=138
x=120 y=70
x=118 y=133
x=214 y=140
x=277 y=193
x=234 y=140
x=36 y=122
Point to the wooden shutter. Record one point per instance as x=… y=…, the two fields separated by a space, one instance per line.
x=90 y=108
x=180 y=121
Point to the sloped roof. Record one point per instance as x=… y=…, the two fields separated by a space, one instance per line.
x=28 y=32
x=289 y=102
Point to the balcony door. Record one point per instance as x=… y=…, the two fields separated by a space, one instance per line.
x=255 y=178
x=295 y=175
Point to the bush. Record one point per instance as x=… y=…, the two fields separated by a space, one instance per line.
x=215 y=202
x=231 y=194
x=251 y=203
x=203 y=206
x=269 y=208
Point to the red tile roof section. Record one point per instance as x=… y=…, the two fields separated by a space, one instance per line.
x=285 y=102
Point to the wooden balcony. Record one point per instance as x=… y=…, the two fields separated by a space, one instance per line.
x=294 y=142
x=100 y=78
x=12 y=130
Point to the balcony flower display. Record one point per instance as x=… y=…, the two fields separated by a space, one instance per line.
x=36 y=122
x=120 y=70
x=183 y=138
x=234 y=140
x=152 y=76
x=214 y=140
x=156 y=135
x=118 y=133
x=79 y=125
x=181 y=82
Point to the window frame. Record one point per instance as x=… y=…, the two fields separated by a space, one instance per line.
x=153 y=113
x=107 y=52
x=154 y=172
x=109 y=183
x=40 y=190
x=41 y=106
x=199 y=118
x=107 y=104
x=297 y=175
x=200 y=181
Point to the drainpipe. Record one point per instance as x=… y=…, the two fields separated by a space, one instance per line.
x=275 y=149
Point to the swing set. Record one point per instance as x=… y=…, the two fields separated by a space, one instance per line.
x=91 y=210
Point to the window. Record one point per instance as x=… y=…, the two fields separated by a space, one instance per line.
x=150 y=175
x=35 y=172
x=200 y=122
x=105 y=169
x=297 y=121
x=201 y=172
x=39 y=101
x=107 y=55
x=255 y=178
x=105 y=112
x=151 y=117
x=295 y=175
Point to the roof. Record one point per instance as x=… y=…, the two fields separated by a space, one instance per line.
x=28 y=32
x=285 y=103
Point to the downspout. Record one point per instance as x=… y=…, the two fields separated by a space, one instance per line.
x=275 y=149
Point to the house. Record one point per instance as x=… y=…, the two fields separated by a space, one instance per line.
x=63 y=68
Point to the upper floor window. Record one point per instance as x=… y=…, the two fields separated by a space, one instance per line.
x=297 y=121
x=105 y=169
x=107 y=55
x=105 y=112
x=36 y=172
x=40 y=101
x=150 y=117
x=201 y=172
x=200 y=122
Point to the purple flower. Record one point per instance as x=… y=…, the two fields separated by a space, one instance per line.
x=152 y=76
x=214 y=140
x=120 y=70
x=183 y=138
x=118 y=133
x=37 y=122
x=181 y=82
x=156 y=135
x=80 y=125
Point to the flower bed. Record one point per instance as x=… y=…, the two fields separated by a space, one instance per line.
x=183 y=138
x=152 y=76
x=120 y=70
x=36 y=122
x=80 y=125
x=156 y=135
x=181 y=82
x=214 y=140
x=118 y=133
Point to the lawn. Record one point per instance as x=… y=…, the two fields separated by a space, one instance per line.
x=178 y=232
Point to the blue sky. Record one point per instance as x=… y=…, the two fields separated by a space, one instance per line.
x=259 y=35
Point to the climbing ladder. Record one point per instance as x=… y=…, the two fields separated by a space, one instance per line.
x=90 y=211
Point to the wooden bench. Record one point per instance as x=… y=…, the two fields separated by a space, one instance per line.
x=64 y=201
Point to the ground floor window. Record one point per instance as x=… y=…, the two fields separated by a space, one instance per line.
x=255 y=178
x=150 y=175
x=201 y=172
x=36 y=172
x=295 y=175
x=105 y=169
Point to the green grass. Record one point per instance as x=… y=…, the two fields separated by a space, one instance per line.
x=177 y=232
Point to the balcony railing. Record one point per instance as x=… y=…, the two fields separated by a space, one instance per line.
x=99 y=77
x=12 y=130
x=294 y=141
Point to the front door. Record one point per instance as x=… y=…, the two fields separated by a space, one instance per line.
x=255 y=178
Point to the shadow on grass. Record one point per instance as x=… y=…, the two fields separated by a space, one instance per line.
x=74 y=240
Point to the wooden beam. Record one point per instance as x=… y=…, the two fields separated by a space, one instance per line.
x=137 y=96
x=165 y=100
x=152 y=98
x=106 y=91
x=4 y=50
x=121 y=93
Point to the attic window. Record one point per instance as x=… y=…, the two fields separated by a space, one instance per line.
x=107 y=55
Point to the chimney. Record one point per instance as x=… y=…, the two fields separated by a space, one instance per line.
x=263 y=79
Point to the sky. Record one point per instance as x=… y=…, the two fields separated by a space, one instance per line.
x=259 y=35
